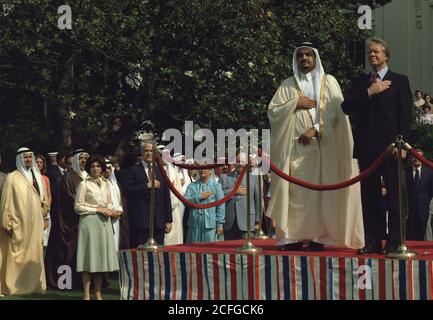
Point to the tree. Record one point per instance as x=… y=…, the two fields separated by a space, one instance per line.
x=151 y=65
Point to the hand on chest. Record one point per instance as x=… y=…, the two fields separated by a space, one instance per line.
x=386 y=101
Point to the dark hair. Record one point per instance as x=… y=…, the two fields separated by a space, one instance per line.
x=416 y=92
x=412 y=157
x=427 y=94
x=60 y=155
x=44 y=166
x=95 y=158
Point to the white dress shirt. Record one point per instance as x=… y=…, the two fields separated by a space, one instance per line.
x=414 y=171
x=62 y=171
x=380 y=74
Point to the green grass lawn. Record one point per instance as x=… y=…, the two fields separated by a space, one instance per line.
x=110 y=293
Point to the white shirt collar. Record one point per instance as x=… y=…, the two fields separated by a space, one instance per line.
x=414 y=168
x=306 y=76
x=144 y=164
x=382 y=72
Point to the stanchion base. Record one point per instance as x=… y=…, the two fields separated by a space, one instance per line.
x=260 y=235
x=150 y=245
x=248 y=248
x=402 y=253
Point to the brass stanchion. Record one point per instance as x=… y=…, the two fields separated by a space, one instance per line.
x=260 y=235
x=248 y=246
x=402 y=251
x=151 y=244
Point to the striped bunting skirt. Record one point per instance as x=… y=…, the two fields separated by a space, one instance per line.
x=198 y=276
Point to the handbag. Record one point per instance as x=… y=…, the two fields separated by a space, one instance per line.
x=219 y=237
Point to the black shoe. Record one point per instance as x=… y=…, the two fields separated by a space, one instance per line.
x=297 y=246
x=391 y=246
x=369 y=249
x=315 y=246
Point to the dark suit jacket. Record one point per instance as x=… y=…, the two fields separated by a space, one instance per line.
x=53 y=173
x=419 y=200
x=135 y=189
x=379 y=119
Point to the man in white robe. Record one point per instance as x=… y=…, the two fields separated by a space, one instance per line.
x=176 y=235
x=311 y=139
x=22 y=209
x=116 y=198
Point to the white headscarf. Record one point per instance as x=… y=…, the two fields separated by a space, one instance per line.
x=317 y=73
x=114 y=187
x=179 y=158
x=76 y=163
x=21 y=167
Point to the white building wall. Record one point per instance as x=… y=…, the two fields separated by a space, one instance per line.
x=407 y=26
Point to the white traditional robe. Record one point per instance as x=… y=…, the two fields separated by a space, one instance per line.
x=176 y=234
x=328 y=217
x=21 y=254
x=117 y=206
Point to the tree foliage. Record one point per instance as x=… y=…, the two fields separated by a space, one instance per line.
x=142 y=64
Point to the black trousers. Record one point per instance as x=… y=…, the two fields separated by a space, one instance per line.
x=416 y=227
x=234 y=233
x=185 y=223
x=372 y=202
x=140 y=236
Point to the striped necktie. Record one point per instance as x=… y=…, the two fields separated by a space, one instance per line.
x=374 y=77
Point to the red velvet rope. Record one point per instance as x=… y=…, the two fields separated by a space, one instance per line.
x=335 y=186
x=192 y=166
x=416 y=154
x=195 y=205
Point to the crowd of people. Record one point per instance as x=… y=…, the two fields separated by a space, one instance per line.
x=423 y=107
x=80 y=209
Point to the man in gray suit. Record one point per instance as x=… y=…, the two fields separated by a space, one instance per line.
x=235 y=226
x=2 y=177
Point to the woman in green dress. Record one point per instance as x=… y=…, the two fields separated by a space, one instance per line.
x=96 y=253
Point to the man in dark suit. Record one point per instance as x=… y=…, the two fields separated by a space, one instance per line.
x=419 y=181
x=137 y=188
x=55 y=172
x=380 y=103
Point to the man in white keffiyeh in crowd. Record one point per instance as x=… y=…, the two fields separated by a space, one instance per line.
x=22 y=210
x=115 y=198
